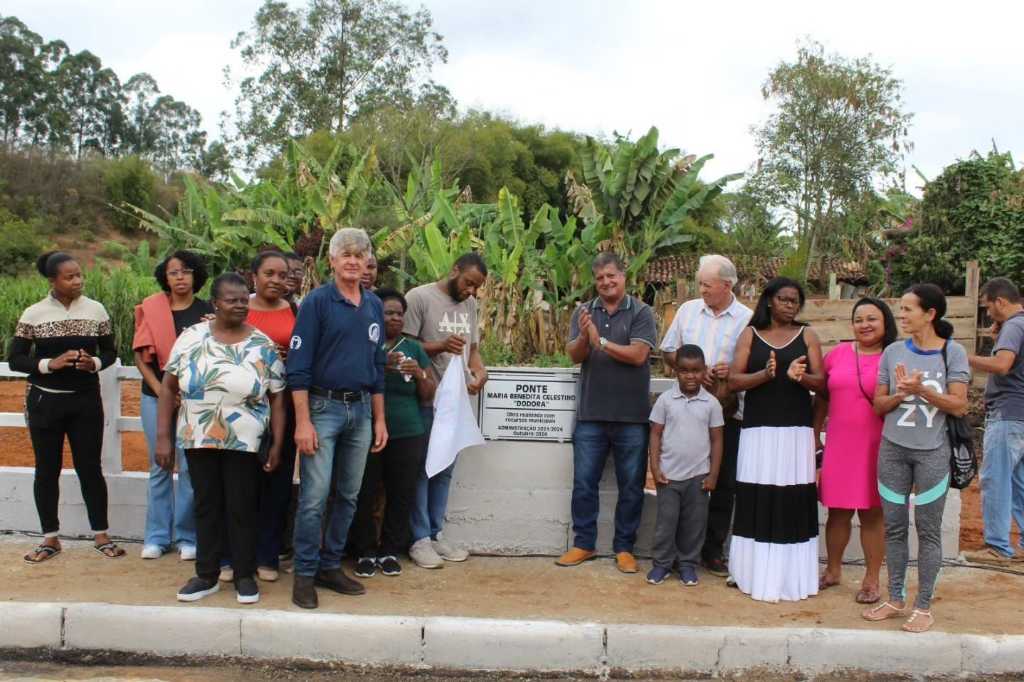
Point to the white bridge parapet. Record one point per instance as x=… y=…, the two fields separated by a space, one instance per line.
x=507 y=498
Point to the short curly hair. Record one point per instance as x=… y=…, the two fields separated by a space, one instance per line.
x=193 y=261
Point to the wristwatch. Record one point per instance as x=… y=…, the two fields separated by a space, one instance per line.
x=603 y=342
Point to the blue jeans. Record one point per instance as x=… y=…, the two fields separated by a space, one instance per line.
x=170 y=510
x=344 y=432
x=1002 y=482
x=431 y=499
x=590 y=444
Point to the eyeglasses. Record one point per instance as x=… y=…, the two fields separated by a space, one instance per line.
x=787 y=301
x=187 y=272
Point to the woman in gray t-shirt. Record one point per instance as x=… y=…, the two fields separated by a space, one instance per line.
x=920 y=380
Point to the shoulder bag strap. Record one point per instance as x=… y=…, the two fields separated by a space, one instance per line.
x=856 y=363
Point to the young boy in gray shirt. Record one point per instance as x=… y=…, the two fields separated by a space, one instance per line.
x=685 y=456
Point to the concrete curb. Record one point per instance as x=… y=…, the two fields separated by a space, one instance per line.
x=475 y=644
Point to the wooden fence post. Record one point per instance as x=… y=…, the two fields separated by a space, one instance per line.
x=833 y=287
x=110 y=393
x=972 y=283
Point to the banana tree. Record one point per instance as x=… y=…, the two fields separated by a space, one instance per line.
x=645 y=198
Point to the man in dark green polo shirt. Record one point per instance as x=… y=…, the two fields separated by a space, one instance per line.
x=612 y=337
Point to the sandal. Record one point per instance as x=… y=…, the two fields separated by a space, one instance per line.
x=110 y=550
x=883 y=611
x=865 y=596
x=41 y=553
x=919 y=621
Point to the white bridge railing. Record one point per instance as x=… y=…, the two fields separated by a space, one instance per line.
x=114 y=423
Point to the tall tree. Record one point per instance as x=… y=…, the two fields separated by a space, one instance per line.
x=88 y=103
x=21 y=76
x=318 y=66
x=837 y=131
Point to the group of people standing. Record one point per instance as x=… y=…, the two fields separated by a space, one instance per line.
x=737 y=446
x=244 y=393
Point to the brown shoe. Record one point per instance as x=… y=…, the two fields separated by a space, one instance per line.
x=625 y=562
x=303 y=592
x=335 y=579
x=575 y=557
x=988 y=555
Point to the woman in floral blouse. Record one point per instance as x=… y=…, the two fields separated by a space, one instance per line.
x=230 y=381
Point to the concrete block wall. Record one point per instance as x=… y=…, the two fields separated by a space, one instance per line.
x=513 y=498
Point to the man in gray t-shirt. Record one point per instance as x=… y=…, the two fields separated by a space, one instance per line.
x=915 y=423
x=1002 y=468
x=442 y=315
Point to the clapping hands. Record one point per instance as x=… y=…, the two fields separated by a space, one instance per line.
x=797 y=369
x=907 y=383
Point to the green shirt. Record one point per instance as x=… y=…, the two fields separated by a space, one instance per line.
x=401 y=401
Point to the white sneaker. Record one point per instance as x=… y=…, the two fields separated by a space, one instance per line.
x=227 y=574
x=448 y=551
x=187 y=552
x=152 y=552
x=423 y=554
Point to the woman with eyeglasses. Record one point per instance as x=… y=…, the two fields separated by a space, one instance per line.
x=159 y=321
x=773 y=555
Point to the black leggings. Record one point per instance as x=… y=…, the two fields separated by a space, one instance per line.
x=399 y=465
x=79 y=417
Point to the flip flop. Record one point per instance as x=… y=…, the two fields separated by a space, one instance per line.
x=43 y=553
x=867 y=596
x=109 y=550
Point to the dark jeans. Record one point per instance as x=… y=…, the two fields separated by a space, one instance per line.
x=723 y=496
x=591 y=442
x=399 y=466
x=682 y=522
x=226 y=484
x=274 y=499
x=79 y=417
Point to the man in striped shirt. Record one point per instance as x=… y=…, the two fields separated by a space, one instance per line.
x=714 y=322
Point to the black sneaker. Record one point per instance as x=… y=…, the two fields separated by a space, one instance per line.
x=716 y=567
x=246 y=590
x=389 y=566
x=197 y=588
x=366 y=567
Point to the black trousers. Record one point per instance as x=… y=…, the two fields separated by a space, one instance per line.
x=79 y=417
x=226 y=486
x=398 y=464
x=723 y=496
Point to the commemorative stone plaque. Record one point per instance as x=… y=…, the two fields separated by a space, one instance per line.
x=528 y=405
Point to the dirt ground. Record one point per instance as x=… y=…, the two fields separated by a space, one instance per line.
x=16 y=450
x=967 y=600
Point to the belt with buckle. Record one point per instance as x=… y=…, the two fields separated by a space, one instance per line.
x=340 y=395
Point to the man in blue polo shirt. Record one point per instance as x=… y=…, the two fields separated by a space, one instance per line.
x=336 y=374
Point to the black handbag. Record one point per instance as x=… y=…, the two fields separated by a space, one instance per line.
x=963 y=462
x=263 y=454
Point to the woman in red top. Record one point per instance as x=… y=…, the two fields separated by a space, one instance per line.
x=274 y=315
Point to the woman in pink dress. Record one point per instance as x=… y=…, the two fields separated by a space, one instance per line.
x=849 y=481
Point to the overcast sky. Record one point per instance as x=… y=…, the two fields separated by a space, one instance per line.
x=693 y=69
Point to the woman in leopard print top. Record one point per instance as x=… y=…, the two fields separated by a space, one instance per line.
x=62 y=342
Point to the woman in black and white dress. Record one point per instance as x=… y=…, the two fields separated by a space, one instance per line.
x=773 y=554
